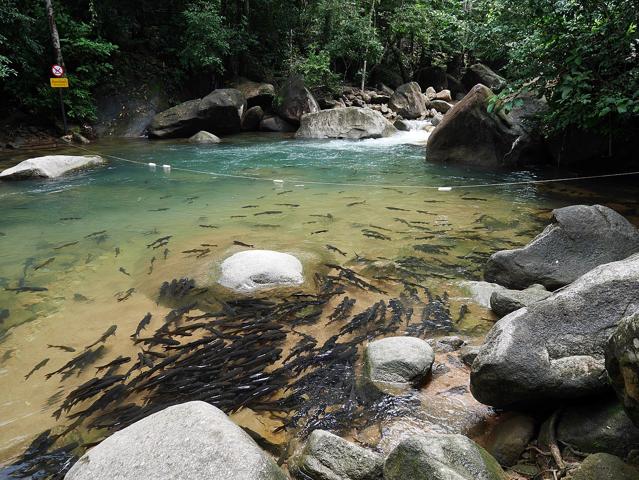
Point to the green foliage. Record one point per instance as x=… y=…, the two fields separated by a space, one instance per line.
x=316 y=69
x=205 y=38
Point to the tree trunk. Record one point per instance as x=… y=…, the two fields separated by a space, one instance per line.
x=55 y=38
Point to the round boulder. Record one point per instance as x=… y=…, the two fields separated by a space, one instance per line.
x=408 y=101
x=295 y=101
x=253 y=270
x=350 y=122
x=193 y=440
x=204 y=137
x=396 y=363
x=622 y=364
x=602 y=466
x=252 y=118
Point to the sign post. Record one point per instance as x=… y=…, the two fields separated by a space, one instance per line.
x=59 y=81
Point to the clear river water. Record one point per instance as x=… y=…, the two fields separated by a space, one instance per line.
x=96 y=242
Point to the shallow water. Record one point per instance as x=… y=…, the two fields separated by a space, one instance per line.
x=88 y=239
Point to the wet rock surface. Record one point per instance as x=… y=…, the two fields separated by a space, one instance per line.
x=204 y=137
x=503 y=302
x=407 y=100
x=351 y=123
x=50 y=166
x=602 y=466
x=252 y=270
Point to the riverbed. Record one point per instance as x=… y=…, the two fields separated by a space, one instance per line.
x=98 y=245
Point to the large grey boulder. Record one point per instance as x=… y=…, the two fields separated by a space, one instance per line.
x=252 y=118
x=395 y=363
x=599 y=425
x=480 y=73
x=328 y=457
x=441 y=457
x=50 y=166
x=602 y=466
x=469 y=134
x=622 y=364
x=505 y=301
x=220 y=112
x=407 y=100
x=554 y=349
x=204 y=137
x=579 y=238
x=253 y=270
x=350 y=122
x=193 y=440
x=256 y=93
x=295 y=100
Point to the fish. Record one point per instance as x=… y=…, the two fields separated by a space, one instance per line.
x=238 y=216
x=328 y=215
x=242 y=244
x=208 y=226
x=355 y=203
x=117 y=251
x=89 y=258
x=121 y=269
x=63 y=219
x=109 y=332
x=166 y=253
x=66 y=245
x=319 y=231
x=268 y=212
x=145 y=360
x=62 y=347
x=331 y=248
x=142 y=325
x=159 y=241
x=26 y=288
x=190 y=199
x=94 y=234
x=398 y=209
x=293 y=205
x=36 y=368
x=4 y=314
x=375 y=235
x=164 y=209
x=285 y=191
x=250 y=206
x=151 y=266
x=208 y=245
x=114 y=363
x=78 y=297
x=44 y=264
x=426 y=213
x=201 y=252
x=126 y=295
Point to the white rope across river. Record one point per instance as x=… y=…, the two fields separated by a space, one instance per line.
x=444 y=188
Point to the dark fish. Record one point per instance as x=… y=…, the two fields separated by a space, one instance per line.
x=145 y=360
x=355 y=203
x=142 y=325
x=268 y=212
x=36 y=368
x=110 y=331
x=375 y=235
x=398 y=209
x=242 y=244
x=27 y=289
x=328 y=215
x=161 y=240
x=121 y=269
x=208 y=245
x=70 y=218
x=117 y=251
x=159 y=209
x=126 y=295
x=94 y=234
x=62 y=347
x=319 y=231
x=208 y=226
x=250 y=206
x=151 y=266
x=165 y=196
x=4 y=314
x=89 y=258
x=65 y=245
x=238 y=216
x=293 y=205
x=285 y=191
x=78 y=297
x=166 y=253
x=201 y=252
x=335 y=249
x=114 y=363
x=426 y=213
x=44 y=264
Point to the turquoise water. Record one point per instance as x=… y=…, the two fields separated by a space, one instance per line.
x=88 y=238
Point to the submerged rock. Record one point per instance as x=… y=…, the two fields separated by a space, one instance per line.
x=580 y=238
x=193 y=440
x=50 y=166
x=503 y=302
x=598 y=425
x=622 y=364
x=204 y=137
x=329 y=457
x=350 y=122
x=295 y=101
x=407 y=100
x=395 y=363
x=441 y=457
x=554 y=349
x=602 y=466
x=480 y=73
x=219 y=112
x=252 y=270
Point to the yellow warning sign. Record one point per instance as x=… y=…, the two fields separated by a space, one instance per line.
x=62 y=82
